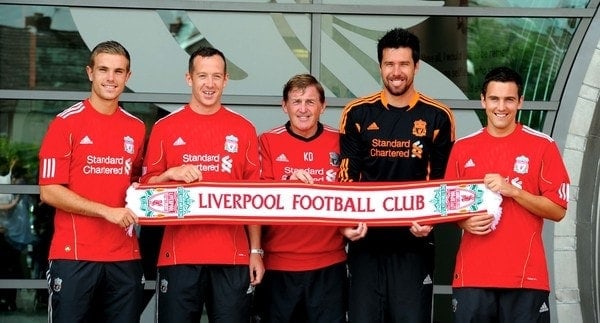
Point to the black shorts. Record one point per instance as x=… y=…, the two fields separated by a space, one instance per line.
x=303 y=296
x=390 y=287
x=86 y=291
x=514 y=305
x=183 y=290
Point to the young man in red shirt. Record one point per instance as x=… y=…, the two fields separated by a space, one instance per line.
x=90 y=155
x=205 y=264
x=501 y=273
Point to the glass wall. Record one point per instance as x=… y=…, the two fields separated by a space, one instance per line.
x=471 y=3
x=44 y=50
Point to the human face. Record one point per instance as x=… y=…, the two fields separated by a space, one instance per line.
x=501 y=103
x=398 y=70
x=304 y=109
x=109 y=75
x=208 y=79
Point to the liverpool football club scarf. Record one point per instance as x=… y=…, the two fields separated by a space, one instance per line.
x=338 y=204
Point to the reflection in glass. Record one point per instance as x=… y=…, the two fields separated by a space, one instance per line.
x=534 y=47
x=190 y=39
x=529 y=3
x=455 y=61
x=267 y=47
x=349 y=53
x=56 y=18
x=471 y=3
x=42 y=49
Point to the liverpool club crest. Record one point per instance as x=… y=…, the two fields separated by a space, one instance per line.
x=128 y=144
x=161 y=202
x=521 y=165
x=231 y=144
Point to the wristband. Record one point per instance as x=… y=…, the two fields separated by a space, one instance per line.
x=258 y=251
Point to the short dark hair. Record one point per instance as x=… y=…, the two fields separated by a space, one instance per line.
x=397 y=38
x=505 y=75
x=302 y=81
x=109 y=47
x=205 y=52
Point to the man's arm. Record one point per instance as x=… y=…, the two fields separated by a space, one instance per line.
x=65 y=199
x=536 y=204
x=252 y=172
x=257 y=268
x=442 y=145
x=349 y=149
x=266 y=162
x=182 y=173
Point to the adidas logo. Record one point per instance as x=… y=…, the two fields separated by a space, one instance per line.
x=179 y=142
x=544 y=307
x=373 y=126
x=427 y=280
x=469 y=163
x=282 y=158
x=86 y=141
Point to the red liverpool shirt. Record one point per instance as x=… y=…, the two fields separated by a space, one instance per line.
x=511 y=256
x=97 y=156
x=301 y=247
x=224 y=147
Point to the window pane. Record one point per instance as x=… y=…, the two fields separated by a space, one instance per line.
x=534 y=47
x=263 y=50
x=470 y=3
x=349 y=54
x=453 y=63
x=42 y=48
x=529 y=3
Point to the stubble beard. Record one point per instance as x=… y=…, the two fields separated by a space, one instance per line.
x=399 y=91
